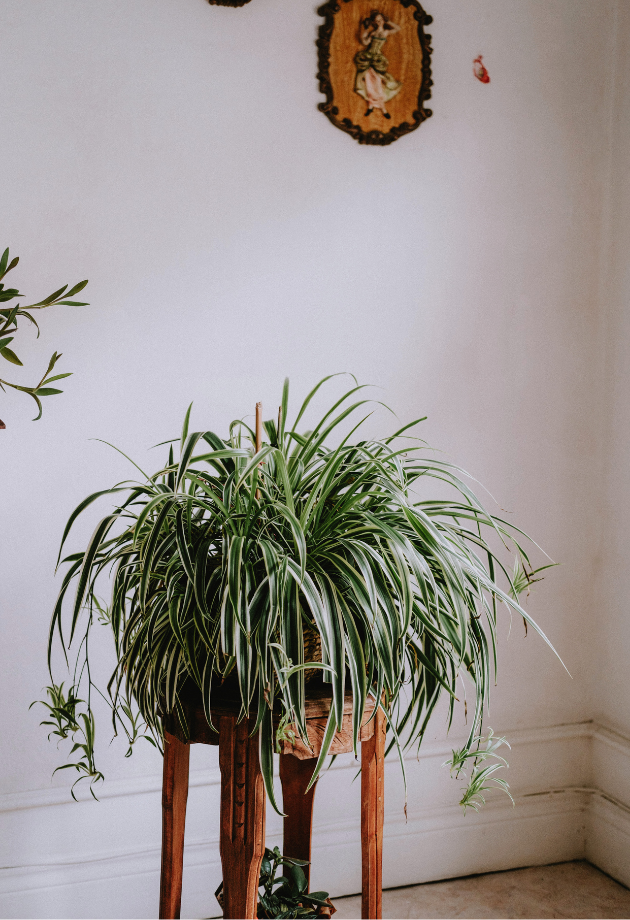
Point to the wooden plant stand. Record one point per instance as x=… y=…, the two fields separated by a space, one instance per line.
x=242 y=829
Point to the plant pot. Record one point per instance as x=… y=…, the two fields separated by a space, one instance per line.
x=225 y=700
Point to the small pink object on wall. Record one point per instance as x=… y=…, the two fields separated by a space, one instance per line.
x=480 y=71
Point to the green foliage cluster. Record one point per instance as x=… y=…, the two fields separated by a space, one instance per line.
x=66 y=722
x=219 y=561
x=286 y=896
x=481 y=777
x=9 y=320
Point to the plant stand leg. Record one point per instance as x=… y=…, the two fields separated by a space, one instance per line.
x=295 y=775
x=174 y=797
x=242 y=841
x=372 y=814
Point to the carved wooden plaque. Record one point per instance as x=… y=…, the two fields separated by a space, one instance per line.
x=374 y=67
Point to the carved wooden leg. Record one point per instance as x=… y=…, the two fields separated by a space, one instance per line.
x=372 y=814
x=242 y=817
x=295 y=775
x=174 y=797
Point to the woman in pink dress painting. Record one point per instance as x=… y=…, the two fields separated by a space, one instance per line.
x=373 y=81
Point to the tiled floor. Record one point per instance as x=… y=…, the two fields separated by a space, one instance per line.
x=571 y=890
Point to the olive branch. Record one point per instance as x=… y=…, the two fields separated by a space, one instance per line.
x=9 y=318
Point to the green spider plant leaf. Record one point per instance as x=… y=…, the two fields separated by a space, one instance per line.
x=266 y=759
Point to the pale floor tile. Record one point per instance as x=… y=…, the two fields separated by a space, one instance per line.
x=570 y=890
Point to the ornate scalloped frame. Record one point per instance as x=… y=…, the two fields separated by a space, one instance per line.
x=328 y=10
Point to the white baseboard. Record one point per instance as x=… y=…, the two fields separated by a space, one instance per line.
x=572 y=792
x=608 y=837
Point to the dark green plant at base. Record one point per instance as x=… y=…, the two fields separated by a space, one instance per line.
x=284 y=897
x=9 y=319
x=220 y=561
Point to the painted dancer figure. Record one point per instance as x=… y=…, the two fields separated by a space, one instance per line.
x=373 y=81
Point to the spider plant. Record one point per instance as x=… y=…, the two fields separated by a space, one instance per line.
x=481 y=778
x=220 y=562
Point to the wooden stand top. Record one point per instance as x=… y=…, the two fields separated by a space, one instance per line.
x=226 y=702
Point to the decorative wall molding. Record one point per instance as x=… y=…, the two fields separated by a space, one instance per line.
x=572 y=792
x=113 y=789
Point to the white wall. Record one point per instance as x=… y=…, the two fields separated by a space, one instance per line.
x=612 y=623
x=609 y=843
x=173 y=153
